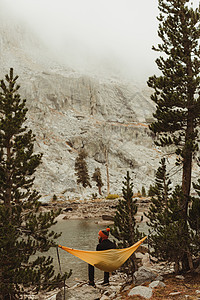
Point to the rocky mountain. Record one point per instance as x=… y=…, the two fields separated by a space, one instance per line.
x=70 y=110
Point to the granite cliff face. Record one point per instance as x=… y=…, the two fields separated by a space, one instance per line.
x=69 y=110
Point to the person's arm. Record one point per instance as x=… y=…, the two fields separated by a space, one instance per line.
x=101 y=247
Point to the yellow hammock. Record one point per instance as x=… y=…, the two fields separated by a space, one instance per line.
x=106 y=260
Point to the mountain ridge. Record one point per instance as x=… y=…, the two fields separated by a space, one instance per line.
x=69 y=110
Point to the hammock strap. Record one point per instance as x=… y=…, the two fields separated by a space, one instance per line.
x=60 y=267
x=59 y=261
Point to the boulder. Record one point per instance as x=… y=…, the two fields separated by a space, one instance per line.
x=67 y=209
x=104 y=297
x=107 y=217
x=83 y=293
x=156 y=283
x=144 y=274
x=142 y=291
x=181 y=277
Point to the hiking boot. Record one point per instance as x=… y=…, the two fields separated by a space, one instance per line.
x=105 y=283
x=91 y=283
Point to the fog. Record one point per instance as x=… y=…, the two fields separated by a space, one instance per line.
x=108 y=35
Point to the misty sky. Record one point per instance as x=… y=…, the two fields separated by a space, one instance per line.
x=92 y=34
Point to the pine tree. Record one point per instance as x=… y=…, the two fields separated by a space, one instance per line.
x=160 y=196
x=168 y=240
x=124 y=228
x=81 y=169
x=143 y=192
x=24 y=231
x=194 y=219
x=177 y=89
x=97 y=178
x=150 y=192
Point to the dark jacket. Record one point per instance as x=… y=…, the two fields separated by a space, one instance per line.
x=105 y=245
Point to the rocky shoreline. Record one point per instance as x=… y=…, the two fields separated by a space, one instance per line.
x=102 y=210
x=152 y=281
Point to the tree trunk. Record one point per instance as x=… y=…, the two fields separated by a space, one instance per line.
x=99 y=187
x=187 y=163
x=176 y=267
x=189 y=136
x=189 y=140
x=107 y=172
x=187 y=263
x=190 y=261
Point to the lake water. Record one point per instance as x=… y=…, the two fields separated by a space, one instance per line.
x=77 y=234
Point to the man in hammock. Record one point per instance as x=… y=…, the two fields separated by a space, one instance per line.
x=104 y=244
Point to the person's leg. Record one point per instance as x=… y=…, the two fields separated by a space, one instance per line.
x=91 y=275
x=106 y=277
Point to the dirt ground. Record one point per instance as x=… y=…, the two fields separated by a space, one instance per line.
x=181 y=288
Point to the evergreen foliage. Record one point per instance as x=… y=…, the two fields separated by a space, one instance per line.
x=194 y=218
x=97 y=178
x=177 y=92
x=124 y=228
x=169 y=239
x=194 y=212
x=81 y=169
x=150 y=192
x=24 y=231
x=143 y=192
x=55 y=198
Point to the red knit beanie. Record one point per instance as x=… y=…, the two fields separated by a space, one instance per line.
x=104 y=234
